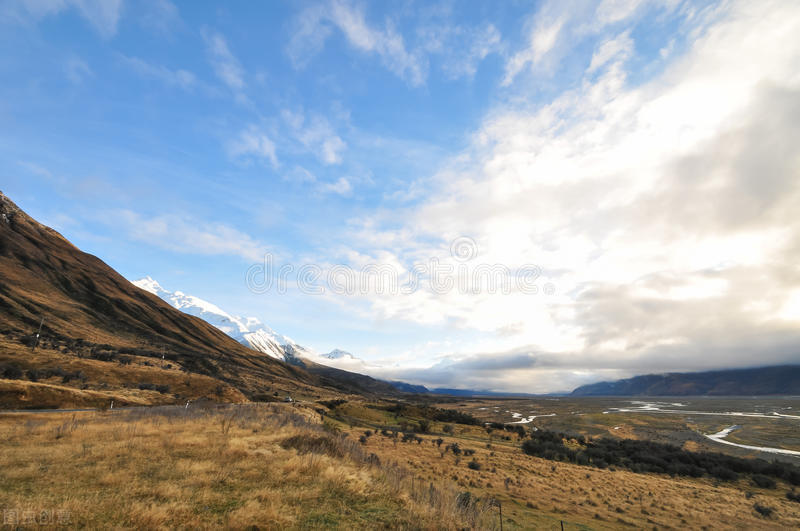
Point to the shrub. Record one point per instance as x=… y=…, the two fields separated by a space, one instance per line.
x=474 y=465
x=723 y=473
x=161 y=388
x=651 y=457
x=763 y=481
x=10 y=372
x=793 y=496
x=332 y=404
x=763 y=510
x=315 y=444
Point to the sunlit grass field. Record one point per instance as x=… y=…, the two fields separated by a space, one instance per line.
x=311 y=465
x=208 y=468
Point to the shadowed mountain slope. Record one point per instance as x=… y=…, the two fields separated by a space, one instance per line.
x=783 y=380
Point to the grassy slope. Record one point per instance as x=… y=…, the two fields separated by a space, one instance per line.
x=196 y=468
x=538 y=493
x=234 y=466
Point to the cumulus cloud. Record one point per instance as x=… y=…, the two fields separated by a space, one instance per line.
x=663 y=213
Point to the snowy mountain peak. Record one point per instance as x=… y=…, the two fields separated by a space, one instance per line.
x=148 y=284
x=337 y=354
x=249 y=331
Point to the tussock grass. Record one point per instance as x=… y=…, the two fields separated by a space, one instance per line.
x=267 y=465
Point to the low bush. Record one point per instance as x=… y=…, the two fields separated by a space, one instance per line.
x=763 y=510
x=762 y=481
x=10 y=372
x=647 y=456
x=327 y=444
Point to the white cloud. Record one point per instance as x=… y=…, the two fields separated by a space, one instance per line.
x=558 y=26
x=184 y=234
x=77 y=70
x=610 y=11
x=664 y=214
x=464 y=49
x=161 y=15
x=313 y=26
x=619 y=48
x=543 y=38
x=315 y=134
x=253 y=143
x=225 y=64
x=103 y=15
x=341 y=187
x=180 y=78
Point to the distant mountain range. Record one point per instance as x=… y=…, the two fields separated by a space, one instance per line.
x=781 y=380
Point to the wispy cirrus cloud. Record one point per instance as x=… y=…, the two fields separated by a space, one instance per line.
x=103 y=15
x=77 y=69
x=315 y=133
x=185 y=234
x=253 y=143
x=461 y=48
x=179 y=77
x=558 y=26
x=226 y=66
x=314 y=25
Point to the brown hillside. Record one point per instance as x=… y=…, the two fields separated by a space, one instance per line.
x=93 y=313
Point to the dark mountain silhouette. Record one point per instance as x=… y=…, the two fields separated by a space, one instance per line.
x=781 y=380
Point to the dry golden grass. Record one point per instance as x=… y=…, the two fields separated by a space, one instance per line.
x=103 y=381
x=228 y=466
x=538 y=493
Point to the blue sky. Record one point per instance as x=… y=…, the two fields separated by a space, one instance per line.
x=608 y=143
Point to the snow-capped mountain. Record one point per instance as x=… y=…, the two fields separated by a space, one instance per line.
x=246 y=330
x=337 y=354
